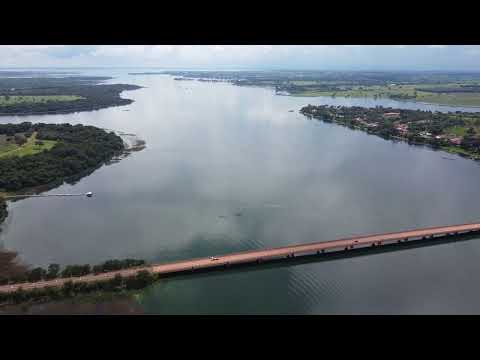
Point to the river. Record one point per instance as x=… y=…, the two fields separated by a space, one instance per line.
x=230 y=168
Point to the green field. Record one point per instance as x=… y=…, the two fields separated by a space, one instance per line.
x=466 y=99
x=29 y=148
x=457 y=130
x=15 y=99
x=458 y=151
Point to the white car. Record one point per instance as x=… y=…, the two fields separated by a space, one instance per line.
x=212 y=258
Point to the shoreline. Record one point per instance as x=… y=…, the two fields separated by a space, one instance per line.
x=383 y=98
x=138 y=145
x=286 y=93
x=448 y=149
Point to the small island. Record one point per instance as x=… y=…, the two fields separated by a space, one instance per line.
x=457 y=132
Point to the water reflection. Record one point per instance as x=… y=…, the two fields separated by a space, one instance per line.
x=215 y=151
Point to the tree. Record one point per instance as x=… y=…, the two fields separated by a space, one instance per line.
x=142 y=279
x=20 y=139
x=36 y=274
x=53 y=270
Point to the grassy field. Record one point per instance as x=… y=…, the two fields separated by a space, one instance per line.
x=457 y=150
x=466 y=99
x=15 y=100
x=456 y=130
x=29 y=148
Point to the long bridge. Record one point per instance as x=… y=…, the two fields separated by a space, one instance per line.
x=253 y=257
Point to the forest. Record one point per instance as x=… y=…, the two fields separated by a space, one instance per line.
x=78 y=148
x=87 y=91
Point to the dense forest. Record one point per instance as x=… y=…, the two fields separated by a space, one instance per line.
x=93 y=95
x=78 y=148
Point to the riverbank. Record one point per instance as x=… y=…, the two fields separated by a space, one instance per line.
x=455 y=133
x=438 y=89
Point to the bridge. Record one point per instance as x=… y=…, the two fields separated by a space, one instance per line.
x=253 y=257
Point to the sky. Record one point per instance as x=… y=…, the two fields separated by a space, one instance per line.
x=301 y=57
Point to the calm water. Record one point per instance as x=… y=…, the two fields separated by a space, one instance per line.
x=215 y=150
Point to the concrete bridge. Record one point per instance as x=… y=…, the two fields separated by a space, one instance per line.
x=253 y=257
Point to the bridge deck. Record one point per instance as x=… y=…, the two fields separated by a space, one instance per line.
x=263 y=255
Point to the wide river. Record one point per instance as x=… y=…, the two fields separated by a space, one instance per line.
x=230 y=168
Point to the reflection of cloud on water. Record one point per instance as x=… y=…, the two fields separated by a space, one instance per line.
x=244 y=292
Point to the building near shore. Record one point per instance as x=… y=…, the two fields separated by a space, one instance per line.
x=391 y=114
x=456 y=141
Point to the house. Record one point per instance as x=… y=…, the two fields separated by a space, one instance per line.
x=391 y=114
x=425 y=134
x=456 y=141
x=402 y=128
x=364 y=123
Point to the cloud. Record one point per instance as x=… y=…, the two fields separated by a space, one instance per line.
x=320 y=57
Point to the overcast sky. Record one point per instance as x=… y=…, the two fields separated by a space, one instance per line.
x=324 y=57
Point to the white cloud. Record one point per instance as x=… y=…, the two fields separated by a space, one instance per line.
x=376 y=57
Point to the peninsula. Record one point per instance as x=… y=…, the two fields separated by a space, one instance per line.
x=33 y=155
x=457 y=133
x=58 y=95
